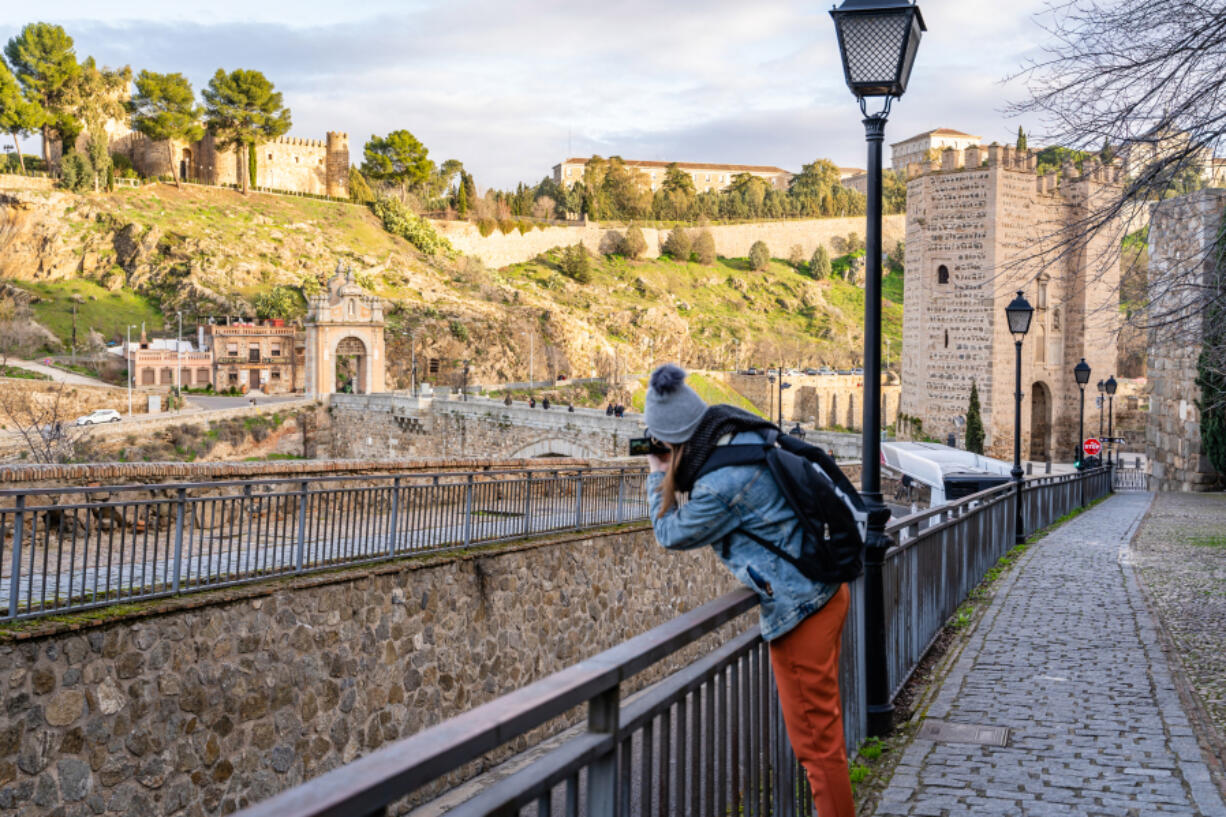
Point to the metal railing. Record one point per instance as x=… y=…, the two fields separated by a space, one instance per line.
x=65 y=549
x=708 y=739
x=1129 y=478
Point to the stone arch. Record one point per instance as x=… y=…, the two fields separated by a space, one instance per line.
x=942 y=274
x=553 y=447
x=185 y=163
x=350 y=355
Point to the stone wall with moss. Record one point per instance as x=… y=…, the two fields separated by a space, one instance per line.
x=203 y=704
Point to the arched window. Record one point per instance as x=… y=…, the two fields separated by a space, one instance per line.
x=942 y=274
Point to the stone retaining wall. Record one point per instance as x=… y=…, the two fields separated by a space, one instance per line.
x=731 y=240
x=203 y=704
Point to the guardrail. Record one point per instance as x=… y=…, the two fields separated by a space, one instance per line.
x=709 y=739
x=68 y=549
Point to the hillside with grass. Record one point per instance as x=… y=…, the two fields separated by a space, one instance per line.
x=139 y=255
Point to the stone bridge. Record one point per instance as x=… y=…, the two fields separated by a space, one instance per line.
x=394 y=426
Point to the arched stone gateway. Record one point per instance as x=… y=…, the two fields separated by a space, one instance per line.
x=350 y=355
x=344 y=339
x=553 y=448
x=1040 y=422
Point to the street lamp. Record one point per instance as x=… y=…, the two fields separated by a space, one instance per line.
x=1082 y=373
x=131 y=364
x=531 y=351
x=1102 y=388
x=179 y=357
x=878 y=40
x=1110 y=386
x=1018 y=312
x=782 y=386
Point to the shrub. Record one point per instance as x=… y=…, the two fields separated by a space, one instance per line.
x=796 y=256
x=523 y=226
x=359 y=189
x=974 y=423
x=397 y=220
x=486 y=226
x=458 y=331
x=704 y=248
x=76 y=173
x=759 y=255
x=853 y=243
x=576 y=265
x=506 y=225
x=678 y=244
x=819 y=265
x=633 y=243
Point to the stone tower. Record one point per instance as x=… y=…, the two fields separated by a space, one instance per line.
x=980 y=224
x=337 y=165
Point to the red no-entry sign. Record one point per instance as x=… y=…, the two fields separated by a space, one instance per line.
x=1092 y=447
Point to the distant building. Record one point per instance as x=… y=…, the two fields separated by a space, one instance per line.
x=706 y=176
x=927 y=146
x=855 y=178
x=255 y=357
x=161 y=362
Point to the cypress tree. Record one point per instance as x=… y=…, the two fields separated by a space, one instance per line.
x=819 y=265
x=461 y=199
x=1021 y=138
x=974 y=423
x=251 y=163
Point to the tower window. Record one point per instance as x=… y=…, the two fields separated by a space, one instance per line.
x=942 y=274
x=946 y=338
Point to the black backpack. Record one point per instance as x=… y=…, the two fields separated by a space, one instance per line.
x=831 y=511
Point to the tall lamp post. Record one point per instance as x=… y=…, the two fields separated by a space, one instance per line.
x=1111 y=386
x=878 y=40
x=1102 y=400
x=1082 y=374
x=1018 y=312
x=131 y=364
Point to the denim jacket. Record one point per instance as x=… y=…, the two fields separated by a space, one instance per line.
x=745 y=497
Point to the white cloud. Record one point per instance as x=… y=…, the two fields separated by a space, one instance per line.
x=505 y=87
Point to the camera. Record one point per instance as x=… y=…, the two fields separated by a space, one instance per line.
x=642 y=446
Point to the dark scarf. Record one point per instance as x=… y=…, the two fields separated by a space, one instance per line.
x=715 y=423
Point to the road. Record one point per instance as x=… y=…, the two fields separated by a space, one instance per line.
x=59 y=375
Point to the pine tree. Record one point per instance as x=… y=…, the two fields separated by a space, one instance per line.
x=165 y=110
x=45 y=63
x=243 y=111
x=974 y=423
x=18 y=116
x=1021 y=138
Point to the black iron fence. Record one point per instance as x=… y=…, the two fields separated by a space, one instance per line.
x=708 y=739
x=65 y=549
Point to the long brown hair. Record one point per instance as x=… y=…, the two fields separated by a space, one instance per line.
x=668 y=487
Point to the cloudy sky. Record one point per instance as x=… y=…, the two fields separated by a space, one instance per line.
x=511 y=88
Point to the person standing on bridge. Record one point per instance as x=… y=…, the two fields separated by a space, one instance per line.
x=727 y=509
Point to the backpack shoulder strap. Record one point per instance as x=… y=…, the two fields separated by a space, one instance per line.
x=726 y=455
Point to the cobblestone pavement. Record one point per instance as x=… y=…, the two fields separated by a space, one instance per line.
x=1180 y=553
x=1067 y=658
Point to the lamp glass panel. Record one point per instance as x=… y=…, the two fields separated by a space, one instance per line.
x=1019 y=320
x=872 y=45
x=909 y=58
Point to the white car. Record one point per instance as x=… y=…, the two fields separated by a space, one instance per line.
x=99 y=416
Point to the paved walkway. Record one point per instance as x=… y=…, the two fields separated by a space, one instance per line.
x=60 y=375
x=1067 y=658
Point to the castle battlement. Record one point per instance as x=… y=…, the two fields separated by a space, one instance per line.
x=1009 y=158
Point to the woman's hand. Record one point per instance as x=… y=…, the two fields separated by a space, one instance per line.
x=658 y=462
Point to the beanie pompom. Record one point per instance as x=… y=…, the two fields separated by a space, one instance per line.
x=667 y=379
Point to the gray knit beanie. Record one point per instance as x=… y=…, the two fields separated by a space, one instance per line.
x=673 y=408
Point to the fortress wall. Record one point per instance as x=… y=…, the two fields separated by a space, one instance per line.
x=731 y=240
x=295 y=164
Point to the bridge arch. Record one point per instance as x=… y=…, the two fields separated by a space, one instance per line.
x=554 y=448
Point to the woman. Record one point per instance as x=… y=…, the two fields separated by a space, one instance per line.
x=802 y=620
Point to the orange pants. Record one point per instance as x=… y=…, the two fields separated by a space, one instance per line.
x=806 y=664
